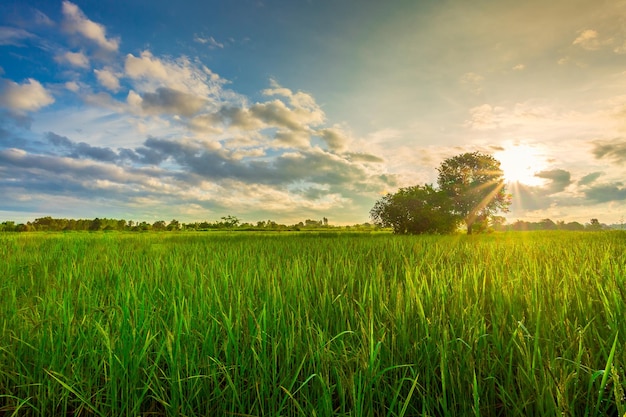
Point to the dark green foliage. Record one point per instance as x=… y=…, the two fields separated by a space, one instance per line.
x=475 y=184
x=312 y=324
x=415 y=210
x=471 y=189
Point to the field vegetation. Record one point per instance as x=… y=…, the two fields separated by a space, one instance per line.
x=313 y=324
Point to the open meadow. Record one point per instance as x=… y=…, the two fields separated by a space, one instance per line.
x=313 y=324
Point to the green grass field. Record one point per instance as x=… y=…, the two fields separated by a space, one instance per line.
x=244 y=324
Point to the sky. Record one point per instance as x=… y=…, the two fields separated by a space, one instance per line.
x=292 y=110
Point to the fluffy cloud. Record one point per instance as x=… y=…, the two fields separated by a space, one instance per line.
x=186 y=172
x=82 y=149
x=72 y=86
x=211 y=162
x=62 y=166
x=559 y=180
x=298 y=115
x=81 y=180
x=145 y=65
x=614 y=150
x=589 y=39
x=75 y=21
x=304 y=104
x=77 y=59
x=236 y=117
x=279 y=144
x=107 y=78
x=291 y=120
x=167 y=100
x=149 y=73
x=335 y=138
x=276 y=113
x=20 y=98
x=291 y=139
x=606 y=192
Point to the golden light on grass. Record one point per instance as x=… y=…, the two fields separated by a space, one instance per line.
x=302 y=324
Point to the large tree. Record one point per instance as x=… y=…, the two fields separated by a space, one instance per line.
x=415 y=210
x=474 y=183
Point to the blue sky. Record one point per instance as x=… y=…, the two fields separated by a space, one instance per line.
x=288 y=110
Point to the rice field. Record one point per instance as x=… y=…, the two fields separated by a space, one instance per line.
x=313 y=324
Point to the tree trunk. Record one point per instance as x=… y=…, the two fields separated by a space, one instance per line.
x=469 y=228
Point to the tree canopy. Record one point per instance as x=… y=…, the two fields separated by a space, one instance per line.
x=415 y=210
x=470 y=190
x=474 y=182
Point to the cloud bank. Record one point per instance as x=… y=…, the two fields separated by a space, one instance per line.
x=173 y=134
x=177 y=124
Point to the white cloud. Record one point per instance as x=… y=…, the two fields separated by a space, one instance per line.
x=276 y=113
x=304 y=107
x=210 y=41
x=75 y=21
x=587 y=39
x=294 y=119
x=25 y=97
x=145 y=66
x=336 y=139
x=519 y=67
x=291 y=139
x=149 y=73
x=77 y=59
x=590 y=40
x=134 y=100
x=107 y=78
x=72 y=86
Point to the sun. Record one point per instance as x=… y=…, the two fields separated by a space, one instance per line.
x=520 y=163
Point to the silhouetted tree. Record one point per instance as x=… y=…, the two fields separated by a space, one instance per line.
x=158 y=225
x=595 y=225
x=174 y=225
x=474 y=183
x=415 y=210
x=230 y=221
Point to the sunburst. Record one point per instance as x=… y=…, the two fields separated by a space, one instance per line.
x=520 y=164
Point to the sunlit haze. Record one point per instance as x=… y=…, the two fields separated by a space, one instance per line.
x=520 y=164
x=294 y=110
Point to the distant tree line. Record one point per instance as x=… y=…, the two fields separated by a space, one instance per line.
x=547 y=224
x=494 y=223
x=50 y=224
